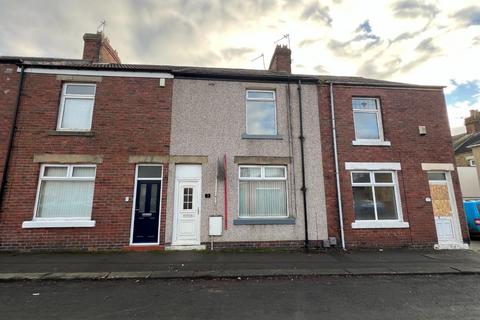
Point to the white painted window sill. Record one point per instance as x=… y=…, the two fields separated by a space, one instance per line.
x=380 y=225
x=58 y=224
x=371 y=143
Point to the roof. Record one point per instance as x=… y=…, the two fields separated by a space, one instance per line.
x=203 y=72
x=462 y=142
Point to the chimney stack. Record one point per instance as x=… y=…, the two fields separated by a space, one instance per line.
x=281 y=60
x=97 y=49
x=473 y=122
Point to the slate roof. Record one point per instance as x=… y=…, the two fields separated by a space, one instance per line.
x=462 y=142
x=202 y=72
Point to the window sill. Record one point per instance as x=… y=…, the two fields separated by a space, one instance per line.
x=58 y=224
x=262 y=136
x=70 y=133
x=259 y=221
x=380 y=225
x=371 y=143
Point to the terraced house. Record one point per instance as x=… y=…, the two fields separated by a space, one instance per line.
x=98 y=155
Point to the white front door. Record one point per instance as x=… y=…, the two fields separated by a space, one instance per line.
x=444 y=208
x=186 y=229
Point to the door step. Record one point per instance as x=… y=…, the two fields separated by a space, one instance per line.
x=186 y=248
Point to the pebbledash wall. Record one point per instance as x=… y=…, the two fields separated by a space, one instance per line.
x=131 y=119
x=208 y=120
x=403 y=110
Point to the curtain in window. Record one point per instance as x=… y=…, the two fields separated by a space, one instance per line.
x=65 y=199
x=263 y=199
x=77 y=113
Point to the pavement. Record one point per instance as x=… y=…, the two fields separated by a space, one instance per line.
x=233 y=264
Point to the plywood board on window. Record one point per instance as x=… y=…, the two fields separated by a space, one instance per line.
x=440 y=200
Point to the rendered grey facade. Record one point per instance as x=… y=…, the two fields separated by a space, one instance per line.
x=209 y=122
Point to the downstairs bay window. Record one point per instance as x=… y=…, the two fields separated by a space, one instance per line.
x=64 y=197
x=376 y=200
x=263 y=192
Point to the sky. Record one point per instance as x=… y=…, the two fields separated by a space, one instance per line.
x=423 y=42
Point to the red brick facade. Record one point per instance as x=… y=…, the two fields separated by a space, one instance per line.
x=403 y=111
x=131 y=117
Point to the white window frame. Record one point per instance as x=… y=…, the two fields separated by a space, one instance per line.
x=260 y=99
x=263 y=178
x=471 y=161
x=75 y=96
x=377 y=223
x=60 y=222
x=378 y=112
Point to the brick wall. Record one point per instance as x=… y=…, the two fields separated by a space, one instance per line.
x=461 y=159
x=403 y=110
x=131 y=117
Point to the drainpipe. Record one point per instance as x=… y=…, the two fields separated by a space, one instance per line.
x=337 y=173
x=13 y=129
x=302 y=156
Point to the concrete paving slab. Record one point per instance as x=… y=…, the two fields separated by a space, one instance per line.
x=75 y=276
x=21 y=276
x=370 y=271
x=129 y=275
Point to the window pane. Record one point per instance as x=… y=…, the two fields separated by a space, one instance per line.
x=149 y=171
x=274 y=172
x=77 y=114
x=65 y=199
x=386 y=205
x=187 y=198
x=361 y=177
x=77 y=89
x=55 y=172
x=366 y=125
x=260 y=95
x=83 y=172
x=437 y=176
x=261 y=117
x=250 y=172
x=143 y=196
x=363 y=203
x=153 y=198
x=383 y=177
x=263 y=199
x=364 y=104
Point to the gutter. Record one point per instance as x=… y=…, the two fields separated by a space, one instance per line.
x=13 y=130
x=302 y=156
x=337 y=173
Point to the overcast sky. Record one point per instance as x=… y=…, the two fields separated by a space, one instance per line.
x=424 y=42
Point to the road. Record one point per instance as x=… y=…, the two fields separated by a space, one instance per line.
x=368 y=297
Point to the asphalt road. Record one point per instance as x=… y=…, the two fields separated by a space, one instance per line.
x=380 y=297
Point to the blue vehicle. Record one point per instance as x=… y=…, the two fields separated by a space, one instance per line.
x=472 y=211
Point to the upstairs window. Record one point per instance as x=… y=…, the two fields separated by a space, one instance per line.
x=76 y=107
x=367 y=119
x=261 y=113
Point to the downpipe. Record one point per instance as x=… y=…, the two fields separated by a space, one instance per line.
x=337 y=173
x=302 y=156
x=13 y=130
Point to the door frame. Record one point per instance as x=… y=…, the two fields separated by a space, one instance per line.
x=134 y=201
x=457 y=230
x=197 y=180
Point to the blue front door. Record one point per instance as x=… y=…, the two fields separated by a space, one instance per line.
x=147 y=208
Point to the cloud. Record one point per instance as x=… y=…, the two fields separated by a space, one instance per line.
x=365 y=27
x=316 y=12
x=307 y=42
x=468 y=16
x=232 y=53
x=320 y=69
x=414 y=9
x=427 y=46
